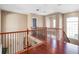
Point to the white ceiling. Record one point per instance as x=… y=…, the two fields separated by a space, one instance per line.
x=44 y=9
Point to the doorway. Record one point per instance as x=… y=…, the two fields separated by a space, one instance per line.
x=34 y=23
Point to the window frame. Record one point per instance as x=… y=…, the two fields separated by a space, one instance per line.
x=66 y=26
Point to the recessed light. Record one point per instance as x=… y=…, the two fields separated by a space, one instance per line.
x=59 y=4
x=37 y=9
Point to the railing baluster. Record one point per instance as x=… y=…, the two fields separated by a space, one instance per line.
x=10 y=43
x=2 y=41
x=11 y=47
x=24 y=45
x=15 y=42
x=6 y=45
x=23 y=41
x=19 y=40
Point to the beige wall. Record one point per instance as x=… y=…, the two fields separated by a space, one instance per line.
x=13 y=22
x=29 y=21
x=40 y=20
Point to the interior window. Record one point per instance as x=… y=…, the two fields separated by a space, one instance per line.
x=72 y=27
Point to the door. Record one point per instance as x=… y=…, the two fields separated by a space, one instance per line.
x=34 y=23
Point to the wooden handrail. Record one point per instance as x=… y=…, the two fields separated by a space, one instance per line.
x=13 y=32
x=19 y=31
x=29 y=30
x=65 y=37
x=39 y=30
x=55 y=28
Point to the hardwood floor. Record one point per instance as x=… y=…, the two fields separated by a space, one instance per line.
x=52 y=47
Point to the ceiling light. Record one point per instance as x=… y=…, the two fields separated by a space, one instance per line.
x=59 y=4
x=37 y=9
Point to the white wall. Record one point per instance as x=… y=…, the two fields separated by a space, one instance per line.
x=47 y=22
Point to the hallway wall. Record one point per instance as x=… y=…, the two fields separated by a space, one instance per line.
x=40 y=20
x=13 y=21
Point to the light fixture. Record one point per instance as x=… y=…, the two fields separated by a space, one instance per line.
x=59 y=4
x=37 y=9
